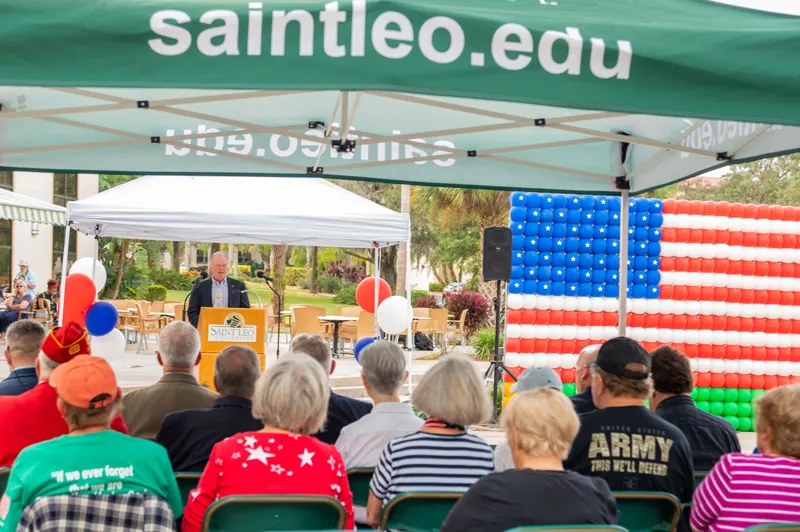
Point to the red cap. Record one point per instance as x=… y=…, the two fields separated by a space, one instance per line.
x=85 y=382
x=65 y=343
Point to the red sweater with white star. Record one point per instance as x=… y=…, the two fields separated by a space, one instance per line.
x=256 y=463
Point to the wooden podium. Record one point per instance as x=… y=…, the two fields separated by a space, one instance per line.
x=222 y=327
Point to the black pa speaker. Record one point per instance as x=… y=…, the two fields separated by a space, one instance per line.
x=497 y=254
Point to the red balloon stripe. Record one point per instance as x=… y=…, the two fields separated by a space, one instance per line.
x=742 y=381
x=731 y=210
x=729 y=295
x=730 y=267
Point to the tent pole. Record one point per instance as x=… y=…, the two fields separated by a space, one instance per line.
x=377 y=275
x=63 y=286
x=623 y=263
x=96 y=251
x=410 y=335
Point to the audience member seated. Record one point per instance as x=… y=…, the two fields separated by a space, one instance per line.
x=709 y=436
x=540 y=426
x=33 y=417
x=178 y=352
x=745 y=490
x=190 y=435
x=442 y=455
x=23 y=343
x=383 y=372
x=583 y=401
x=92 y=459
x=17 y=302
x=291 y=400
x=531 y=379
x=342 y=410
x=623 y=442
x=48 y=299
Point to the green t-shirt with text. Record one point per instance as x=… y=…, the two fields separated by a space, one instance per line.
x=100 y=463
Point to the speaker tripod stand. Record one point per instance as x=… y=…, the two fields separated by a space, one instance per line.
x=497 y=366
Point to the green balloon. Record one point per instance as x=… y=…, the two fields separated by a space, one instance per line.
x=731 y=395
x=705 y=406
x=717 y=395
x=569 y=389
x=717 y=408
x=757 y=394
x=733 y=420
x=731 y=409
x=694 y=394
x=745 y=410
x=745 y=396
x=703 y=394
x=745 y=424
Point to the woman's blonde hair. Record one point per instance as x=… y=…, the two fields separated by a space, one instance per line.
x=778 y=415
x=451 y=391
x=544 y=421
x=293 y=395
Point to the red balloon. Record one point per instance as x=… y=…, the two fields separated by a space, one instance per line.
x=512 y=345
x=737 y=210
x=568 y=375
x=693 y=293
x=514 y=317
x=775 y=240
x=682 y=234
x=734 y=295
x=762 y=240
x=596 y=319
x=670 y=206
x=789 y=241
x=694 y=265
x=730 y=323
x=772 y=327
x=784 y=380
x=732 y=352
x=762 y=211
x=723 y=208
x=709 y=208
x=540 y=345
x=681 y=264
x=731 y=380
x=760 y=297
x=636 y=320
x=749 y=211
x=790 y=214
x=542 y=317
x=526 y=345
x=651 y=321
x=706 y=293
x=746 y=324
x=717 y=380
x=745 y=352
x=583 y=319
x=707 y=351
x=748 y=267
x=666 y=292
x=707 y=265
x=747 y=296
x=610 y=319
x=706 y=322
x=759 y=353
x=770 y=382
x=557 y=317
x=759 y=324
x=784 y=354
x=787 y=298
x=695 y=207
x=554 y=346
x=568 y=347
x=679 y=321
x=365 y=293
x=787 y=269
x=721 y=266
x=795 y=354
x=772 y=354
x=79 y=294
x=570 y=317
x=667 y=235
x=735 y=238
x=776 y=212
x=695 y=236
x=749 y=239
x=692 y=351
x=757 y=382
x=745 y=382
x=692 y=323
x=681 y=207
x=528 y=317
x=773 y=297
x=774 y=269
x=665 y=321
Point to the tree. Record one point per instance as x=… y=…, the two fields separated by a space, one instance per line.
x=278 y=267
x=177 y=254
x=402 y=262
x=312 y=268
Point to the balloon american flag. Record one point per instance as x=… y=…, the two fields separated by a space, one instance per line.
x=718 y=281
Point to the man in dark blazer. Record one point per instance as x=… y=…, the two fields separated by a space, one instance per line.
x=190 y=435
x=24 y=340
x=218 y=291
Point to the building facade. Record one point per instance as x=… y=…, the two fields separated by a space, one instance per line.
x=40 y=244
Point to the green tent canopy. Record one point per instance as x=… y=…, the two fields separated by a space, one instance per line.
x=569 y=95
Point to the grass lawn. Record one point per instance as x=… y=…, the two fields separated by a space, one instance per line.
x=291 y=297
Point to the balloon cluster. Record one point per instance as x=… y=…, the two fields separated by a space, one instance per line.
x=394 y=312
x=100 y=318
x=570 y=245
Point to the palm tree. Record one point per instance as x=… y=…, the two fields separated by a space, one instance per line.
x=405 y=207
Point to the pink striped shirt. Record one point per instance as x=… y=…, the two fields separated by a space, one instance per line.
x=745 y=490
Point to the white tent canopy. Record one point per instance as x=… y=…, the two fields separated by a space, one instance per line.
x=21 y=208
x=239 y=210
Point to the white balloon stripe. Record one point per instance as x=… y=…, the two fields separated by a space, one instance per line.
x=744 y=225
x=783 y=284
x=724 y=251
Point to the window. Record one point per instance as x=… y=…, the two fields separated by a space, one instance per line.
x=65 y=189
x=243 y=257
x=201 y=256
x=6 y=268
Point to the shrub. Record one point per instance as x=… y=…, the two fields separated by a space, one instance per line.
x=478 y=309
x=244 y=270
x=472 y=284
x=435 y=287
x=294 y=276
x=255 y=266
x=154 y=292
x=327 y=284
x=349 y=273
x=346 y=296
x=170 y=278
x=427 y=302
x=483 y=343
x=416 y=294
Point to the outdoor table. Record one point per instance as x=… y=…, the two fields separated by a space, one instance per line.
x=336 y=320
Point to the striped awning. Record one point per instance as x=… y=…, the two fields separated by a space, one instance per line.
x=21 y=208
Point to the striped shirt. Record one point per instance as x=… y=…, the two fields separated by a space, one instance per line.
x=745 y=490
x=431 y=462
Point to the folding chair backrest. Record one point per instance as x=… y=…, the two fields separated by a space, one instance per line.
x=351 y=312
x=254 y=513
x=422 y=312
x=439 y=320
x=187 y=481
x=647 y=511
x=157 y=306
x=305 y=320
x=4 y=472
x=359 y=479
x=418 y=511
x=365 y=326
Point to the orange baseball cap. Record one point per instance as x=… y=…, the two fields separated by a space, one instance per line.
x=86 y=382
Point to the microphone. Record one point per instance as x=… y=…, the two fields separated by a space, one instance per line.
x=201 y=277
x=261 y=275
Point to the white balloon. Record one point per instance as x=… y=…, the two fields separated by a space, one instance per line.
x=597 y=304
x=681 y=278
x=584 y=304
x=771 y=368
x=539 y=360
x=796 y=369
x=773 y=255
x=85 y=266
x=692 y=337
x=639 y=306
x=528 y=331
x=610 y=304
x=554 y=361
x=709 y=251
x=758 y=367
x=733 y=309
x=773 y=312
x=582 y=333
x=651 y=335
x=678 y=336
x=749 y=253
x=763 y=226
x=720 y=308
x=723 y=223
x=529 y=301
x=693 y=308
x=735 y=252
x=513 y=331
x=636 y=333
x=554 y=332
x=667 y=306
x=610 y=332
x=569 y=333
x=748 y=282
x=706 y=337
x=665 y=336
x=569 y=361
x=527 y=360
x=652 y=306
x=746 y=338
x=706 y=308
x=732 y=338
x=784 y=340
x=759 y=311
x=717 y=365
x=515 y=301
x=761 y=283
x=595 y=333
x=110 y=345
x=543 y=303
x=557 y=303
x=731 y=366
x=785 y=369
x=541 y=331
x=720 y=338
x=394 y=314
x=749 y=225
x=773 y=340
x=570 y=303
x=695 y=250
x=719 y=279
x=746 y=367
x=513 y=360
x=747 y=310
x=703 y=365
x=681 y=249
x=693 y=364
x=669 y=249
x=721 y=251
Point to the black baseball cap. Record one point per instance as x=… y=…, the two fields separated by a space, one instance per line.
x=618 y=352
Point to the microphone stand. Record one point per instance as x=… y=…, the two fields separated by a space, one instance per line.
x=280 y=318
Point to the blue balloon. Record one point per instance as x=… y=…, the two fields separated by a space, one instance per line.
x=639 y=291
x=654 y=234
x=546 y=229
x=585 y=276
x=653 y=277
x=640 y=263
x=534 y=199
x=653 y=263
x=611 y=290
x=516 y=271
x=546 y=215
x=517 y=228
x=639 y=277
x=360 y=345
x=600 y=262
x=601 y=231
x=600 y=203
x=515 y=286
x=543 y=273
x=613 y=232
x=599 y=245
x=572 y=289
x=517 y=242
x=531 y=258
x=586 y=231
x=614 y=203
x=597 y=290
x=518 y=214
x=654 y=249
x=558 y=246
x=530 y=287
x=545 y=244
x=101 y=319
x=558 y=274
x=584 y=245
x=559 y=259
x=517 y=258
x=534 y=215
x=641 y=247
x=544 y=288
x=587 y=202
x=573 y=202
x=587 y=216
x=601 y=217
x=573 y=216
x=558 y=289
x=656 y=205
x=612 y=277
x=573 y=260
x=547 y=201
x=641 y=233
x=653 y=292
x=518 y=199
x=632 y=205
x=532 y=228
x=642 y=219
x=573 y=231
x=531 y=243
x=598 y=276
x=614 y=219
x=656 y=219
x=585 y=261
x=560 y=201
x=572 y=245
x=612 y=263
x=584 y=289
x=528 y=273
x=573 y=275
x=545 y=259
x=559 y=230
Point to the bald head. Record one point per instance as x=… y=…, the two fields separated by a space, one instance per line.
x=583 y=378
x=236 y=371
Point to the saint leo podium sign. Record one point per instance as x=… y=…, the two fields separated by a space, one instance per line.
x=223 y=327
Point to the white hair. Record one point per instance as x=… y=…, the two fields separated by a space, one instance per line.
x=383 y=365
x=451 y=391
x=179 y=345
x=46 y=365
